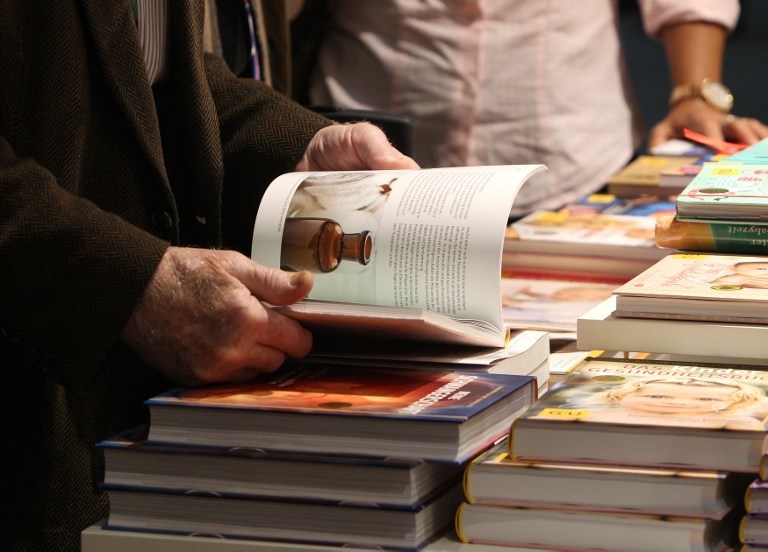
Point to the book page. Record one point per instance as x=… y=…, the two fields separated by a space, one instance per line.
x=429 y=239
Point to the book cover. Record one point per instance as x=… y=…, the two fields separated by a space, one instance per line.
x=594 y=235
x=131 y=461
x=411 y=254
x=726 y=190
x=497 y=479
x=552 y=305
x=574 y=530
x=699 y=286
x=646 y=414
x=427 y=414
x=724 y=236
x=756 y=153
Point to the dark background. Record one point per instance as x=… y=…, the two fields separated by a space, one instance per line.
x=745 y=69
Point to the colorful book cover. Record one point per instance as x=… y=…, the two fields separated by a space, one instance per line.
x=726 y=190
x=352 y=390
x=642 y=413
x=430 y=414
x=703 y=276
x=672 y=395
x=756 y=153
x=553 y=305
x=722 y=237
x=583 y=234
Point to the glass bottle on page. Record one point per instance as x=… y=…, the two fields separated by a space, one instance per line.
x=320 y=244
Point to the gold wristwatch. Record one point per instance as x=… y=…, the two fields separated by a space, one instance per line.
x=714 y=93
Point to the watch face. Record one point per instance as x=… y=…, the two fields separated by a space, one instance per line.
x=718 y=95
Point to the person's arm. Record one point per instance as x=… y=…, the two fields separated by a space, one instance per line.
x=695 y=52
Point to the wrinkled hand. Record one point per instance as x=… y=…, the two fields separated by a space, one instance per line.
x=351 y=147
x=201 y=319
x=697 y=115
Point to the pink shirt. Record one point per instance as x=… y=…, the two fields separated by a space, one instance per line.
x=490 y=82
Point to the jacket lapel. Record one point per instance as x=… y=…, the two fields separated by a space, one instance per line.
x=119 y=55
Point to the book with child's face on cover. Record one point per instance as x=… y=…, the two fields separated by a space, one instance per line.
x=699 y=286
x=649 y=414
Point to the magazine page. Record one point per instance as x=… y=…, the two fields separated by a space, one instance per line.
x=428 y=239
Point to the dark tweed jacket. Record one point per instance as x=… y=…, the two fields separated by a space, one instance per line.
x=99 y=173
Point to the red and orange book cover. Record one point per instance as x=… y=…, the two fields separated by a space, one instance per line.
x=355 y=390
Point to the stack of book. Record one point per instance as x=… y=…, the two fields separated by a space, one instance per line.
x=338 y=455
x=706 y=307
x=580 y=246
x=539 y=304
x=669 y=167
x=642 y=176
x=621 y=456
x=722 y=209
x=753 y=530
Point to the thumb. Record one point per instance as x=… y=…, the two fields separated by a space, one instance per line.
x=659 y=134
x=275 y=286
x=375 y=150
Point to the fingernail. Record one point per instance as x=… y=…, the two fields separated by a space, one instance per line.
x=298 y=279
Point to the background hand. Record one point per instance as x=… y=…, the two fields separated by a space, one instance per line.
x=696 y=115
x=201 y=319
x=351 y=147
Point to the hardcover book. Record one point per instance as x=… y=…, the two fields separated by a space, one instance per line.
x=691 y=286
x=645 y=414
x=426 y=414
x=97 y=538
x=698 y=341
x=753 y=530
x=726 y=236
x=303 y=522
x=497 y=479
x=131 y=461
x=756 y=495
x=574 y=530
x=403 y=254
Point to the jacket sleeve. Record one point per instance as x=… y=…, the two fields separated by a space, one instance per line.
x=71 y=274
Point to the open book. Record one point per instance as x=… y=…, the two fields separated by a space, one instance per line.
x=410 y=254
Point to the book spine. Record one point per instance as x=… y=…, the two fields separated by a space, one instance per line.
x=725 y=237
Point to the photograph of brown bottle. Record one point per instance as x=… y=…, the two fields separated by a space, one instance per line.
x=320 y=244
